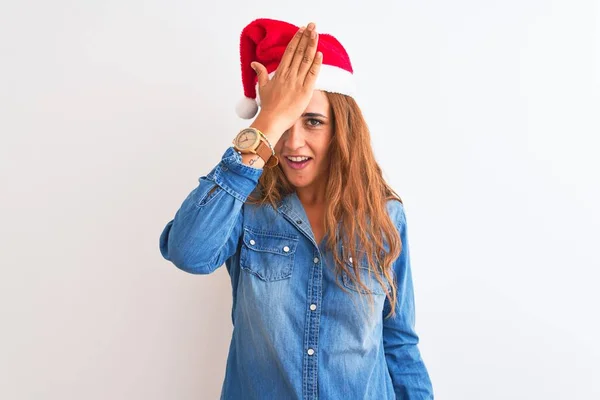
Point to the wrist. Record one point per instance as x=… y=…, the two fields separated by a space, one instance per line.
x=269 y=126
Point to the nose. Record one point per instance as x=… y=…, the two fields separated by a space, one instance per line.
x=294 y=138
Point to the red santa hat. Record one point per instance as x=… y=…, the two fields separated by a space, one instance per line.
x=265 y=40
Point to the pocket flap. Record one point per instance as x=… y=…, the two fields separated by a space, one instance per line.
x=277 y=243
x=366 y=275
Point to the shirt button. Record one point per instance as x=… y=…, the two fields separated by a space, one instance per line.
x=310 y=352
x=286 y=249
x=313 y=307
x=252 y=242
x=316 y=260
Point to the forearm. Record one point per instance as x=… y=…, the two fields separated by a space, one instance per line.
x=206 y=228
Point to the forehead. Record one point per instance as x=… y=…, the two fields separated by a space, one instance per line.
x=319 y=103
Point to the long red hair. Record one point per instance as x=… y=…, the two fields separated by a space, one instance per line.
x=356 y=196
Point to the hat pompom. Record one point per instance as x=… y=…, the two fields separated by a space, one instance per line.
x=246 y=108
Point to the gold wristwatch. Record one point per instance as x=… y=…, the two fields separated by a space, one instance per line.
x=253 y=141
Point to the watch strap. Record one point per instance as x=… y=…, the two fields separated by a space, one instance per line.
x=265 y=152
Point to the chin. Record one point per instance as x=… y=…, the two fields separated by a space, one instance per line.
x=299 y=182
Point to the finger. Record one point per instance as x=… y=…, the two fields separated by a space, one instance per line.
x=300 y=53
x=261 y=73
x=290 y=50
x=313 y=72
x=309 y=55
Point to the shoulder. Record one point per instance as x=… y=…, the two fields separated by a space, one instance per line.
x=396 y=212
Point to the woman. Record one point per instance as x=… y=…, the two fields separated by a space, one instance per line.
x=299 y=213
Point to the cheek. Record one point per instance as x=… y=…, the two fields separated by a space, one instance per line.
x=323 y=147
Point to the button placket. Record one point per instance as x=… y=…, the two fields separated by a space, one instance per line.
x=314 y=294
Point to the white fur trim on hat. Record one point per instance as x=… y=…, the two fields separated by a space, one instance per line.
x=330 y=79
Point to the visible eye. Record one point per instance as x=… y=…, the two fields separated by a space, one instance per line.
x=312 y=122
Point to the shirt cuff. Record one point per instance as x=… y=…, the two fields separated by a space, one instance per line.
x=235 y=177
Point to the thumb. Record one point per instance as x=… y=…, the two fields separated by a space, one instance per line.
x=261 y=72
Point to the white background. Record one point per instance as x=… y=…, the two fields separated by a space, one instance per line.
x=485 y=119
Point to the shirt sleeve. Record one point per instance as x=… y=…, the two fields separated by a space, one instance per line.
x=206 y=229
x=406 y=367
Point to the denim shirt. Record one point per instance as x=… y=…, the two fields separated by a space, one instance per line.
x=296 y=334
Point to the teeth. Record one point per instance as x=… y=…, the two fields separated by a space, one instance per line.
x=298 y=159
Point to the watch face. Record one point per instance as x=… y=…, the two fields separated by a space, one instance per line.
x=246 y=139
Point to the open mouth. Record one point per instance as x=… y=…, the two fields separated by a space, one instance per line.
x=298 y=162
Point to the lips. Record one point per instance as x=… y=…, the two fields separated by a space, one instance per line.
x=297 y=164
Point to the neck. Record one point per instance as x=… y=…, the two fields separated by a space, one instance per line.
x=310 y=197
x=313 y=195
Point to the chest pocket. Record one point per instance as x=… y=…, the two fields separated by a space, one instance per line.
x=268 y=255
x=367 y=277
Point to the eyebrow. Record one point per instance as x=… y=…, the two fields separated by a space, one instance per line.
x=313 y=115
